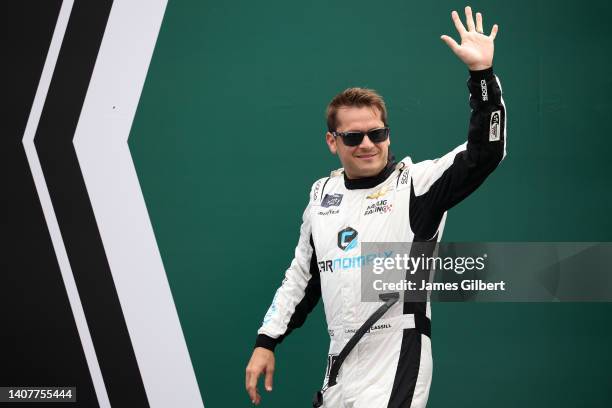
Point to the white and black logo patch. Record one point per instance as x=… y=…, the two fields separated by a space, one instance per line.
x=404 y=178
x=483 y=88
x=494 y=131
x=315 y=191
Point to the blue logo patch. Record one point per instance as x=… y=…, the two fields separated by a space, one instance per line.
x=347 y=239
x=331 y=200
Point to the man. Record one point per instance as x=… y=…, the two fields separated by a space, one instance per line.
x=374 y=199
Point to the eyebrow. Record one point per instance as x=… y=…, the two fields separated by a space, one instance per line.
x=355 y=130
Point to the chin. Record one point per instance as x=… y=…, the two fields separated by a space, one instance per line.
x=368 y=171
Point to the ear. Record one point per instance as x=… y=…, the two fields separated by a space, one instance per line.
x=331 y=143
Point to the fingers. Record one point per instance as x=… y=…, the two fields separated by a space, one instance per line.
x=252 y=376
x=493 y=32
x=268 y=381
x=262 y=361
x=451 y=43
x=469 y=19
x=458 y=24
x=479 y=23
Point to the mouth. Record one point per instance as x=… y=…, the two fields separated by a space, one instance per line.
x=366 y=156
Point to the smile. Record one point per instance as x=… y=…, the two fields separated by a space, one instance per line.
x=366 y=156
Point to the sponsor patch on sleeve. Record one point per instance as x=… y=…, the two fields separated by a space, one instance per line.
x=315 y=190
x=494 y=126
x=483 y=90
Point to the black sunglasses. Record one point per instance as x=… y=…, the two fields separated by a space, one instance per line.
x=355 y=138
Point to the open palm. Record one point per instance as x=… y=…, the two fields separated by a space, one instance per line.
x=476 y=49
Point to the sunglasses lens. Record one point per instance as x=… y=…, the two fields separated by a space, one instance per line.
x=378 y=135
x=355 y=138
x=352 y=138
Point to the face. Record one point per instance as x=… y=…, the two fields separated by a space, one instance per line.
x=367 y=159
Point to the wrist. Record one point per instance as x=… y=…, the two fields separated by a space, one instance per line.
x=479 y=67
x=266 y=342
x=479 y=74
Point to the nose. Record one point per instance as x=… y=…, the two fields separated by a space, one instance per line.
x=366 y=143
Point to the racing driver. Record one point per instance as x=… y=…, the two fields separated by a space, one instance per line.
x=373 y=198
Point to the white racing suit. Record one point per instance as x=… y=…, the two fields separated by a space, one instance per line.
x=391 y=366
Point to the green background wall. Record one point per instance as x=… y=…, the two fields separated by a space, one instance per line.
x=228 y=138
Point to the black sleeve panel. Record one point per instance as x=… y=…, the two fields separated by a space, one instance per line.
x=471 y=166
x=312 y=294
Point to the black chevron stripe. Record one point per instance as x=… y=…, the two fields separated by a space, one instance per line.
x=409 y=361
x=73 y=209
x=39 y=341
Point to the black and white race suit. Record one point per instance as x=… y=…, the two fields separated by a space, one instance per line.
x=391 y=366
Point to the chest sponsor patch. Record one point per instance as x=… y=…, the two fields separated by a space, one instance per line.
x=331 y=200
x=377 y=194
x=494 y=131
x=347 y=239
x=379 y=207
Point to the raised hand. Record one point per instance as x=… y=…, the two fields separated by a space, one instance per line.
x=476 y=49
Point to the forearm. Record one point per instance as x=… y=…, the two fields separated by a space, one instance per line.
x=294 y=299
x=440 y=184
x=297 y=295
x=487 y=128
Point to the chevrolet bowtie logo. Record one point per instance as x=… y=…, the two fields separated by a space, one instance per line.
x=379 y=193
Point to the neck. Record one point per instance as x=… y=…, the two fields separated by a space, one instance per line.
x=370 y=181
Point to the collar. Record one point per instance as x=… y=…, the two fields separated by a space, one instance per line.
x=372 y=181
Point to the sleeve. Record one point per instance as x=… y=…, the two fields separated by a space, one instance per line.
x=438 y=185
x=300 y=290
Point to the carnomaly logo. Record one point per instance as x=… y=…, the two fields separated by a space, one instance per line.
x=347 y=239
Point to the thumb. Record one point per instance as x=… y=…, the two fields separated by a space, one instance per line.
x=452 y=44
x=268 y=381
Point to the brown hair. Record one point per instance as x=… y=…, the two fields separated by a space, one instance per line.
x=357 y=97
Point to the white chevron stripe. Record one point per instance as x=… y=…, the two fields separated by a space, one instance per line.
x=121 y=214
x=47 y=206
x=505 y=117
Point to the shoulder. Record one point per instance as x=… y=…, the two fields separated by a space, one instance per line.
x=423 y=174
x=317 y=191
x=404 y=167
x=442 y=162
